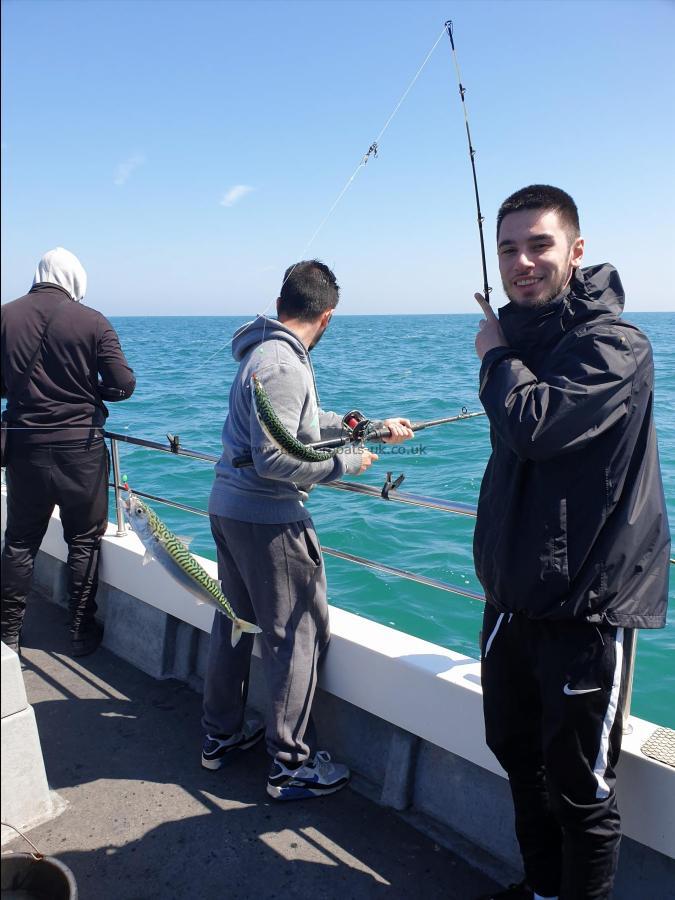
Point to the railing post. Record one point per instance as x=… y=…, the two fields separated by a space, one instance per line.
x=630 y=648
x=115 y=453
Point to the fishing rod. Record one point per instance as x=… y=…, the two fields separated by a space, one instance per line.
x=360 y=430
x=472 y=153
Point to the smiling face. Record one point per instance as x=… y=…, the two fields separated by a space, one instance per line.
x=537 y=256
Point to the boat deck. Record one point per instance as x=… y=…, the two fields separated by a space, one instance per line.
x=143 y=820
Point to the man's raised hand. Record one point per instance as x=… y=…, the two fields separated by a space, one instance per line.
x=490 y=334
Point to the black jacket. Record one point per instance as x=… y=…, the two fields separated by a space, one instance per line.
x=64 y=396
x=571 y=517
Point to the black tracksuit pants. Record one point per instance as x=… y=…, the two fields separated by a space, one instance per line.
x=74 y=476
x=552 y=697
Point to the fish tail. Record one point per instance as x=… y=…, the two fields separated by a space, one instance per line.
x=241 y=626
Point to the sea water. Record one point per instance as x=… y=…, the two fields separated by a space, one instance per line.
x=422 y=367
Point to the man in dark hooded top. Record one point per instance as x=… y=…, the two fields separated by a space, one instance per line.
x=571 y=543
x=60 y=361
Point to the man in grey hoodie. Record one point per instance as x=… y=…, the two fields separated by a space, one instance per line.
x=269 y=556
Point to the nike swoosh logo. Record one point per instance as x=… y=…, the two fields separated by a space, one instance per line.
x=571 y=692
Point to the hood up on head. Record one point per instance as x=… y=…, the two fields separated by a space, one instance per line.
x=62 y=268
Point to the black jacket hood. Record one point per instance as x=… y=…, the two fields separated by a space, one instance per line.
x=593 y=293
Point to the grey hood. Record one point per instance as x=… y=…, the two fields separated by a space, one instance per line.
x=264 y=329
x=255 y=333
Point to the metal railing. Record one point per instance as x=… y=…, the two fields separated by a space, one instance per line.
x=419 y=500
x=463 y=509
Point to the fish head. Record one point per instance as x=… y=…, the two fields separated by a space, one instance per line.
x=136 y=510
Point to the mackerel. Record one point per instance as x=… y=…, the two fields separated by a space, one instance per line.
x=277 y=432
x=172 y=553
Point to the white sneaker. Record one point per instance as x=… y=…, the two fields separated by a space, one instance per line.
x=314 y=778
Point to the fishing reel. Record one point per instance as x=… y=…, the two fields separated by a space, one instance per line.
x=356 y=425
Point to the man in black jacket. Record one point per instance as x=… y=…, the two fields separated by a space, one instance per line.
x=571 y=541
x=53 y=351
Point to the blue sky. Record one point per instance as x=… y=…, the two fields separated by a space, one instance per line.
x=186 y=152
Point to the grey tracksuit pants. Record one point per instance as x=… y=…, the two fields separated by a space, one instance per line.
x=272 y=575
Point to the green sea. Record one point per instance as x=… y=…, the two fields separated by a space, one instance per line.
x=423 y=367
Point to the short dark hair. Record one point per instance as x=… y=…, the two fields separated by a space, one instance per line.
x=545 y=197
x=308 y=290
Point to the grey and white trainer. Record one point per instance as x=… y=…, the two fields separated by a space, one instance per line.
x=314 y=778
x=217 y=749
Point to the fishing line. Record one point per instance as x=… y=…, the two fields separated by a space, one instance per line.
x=371 y=152
x=472 y=153
x=374 y=147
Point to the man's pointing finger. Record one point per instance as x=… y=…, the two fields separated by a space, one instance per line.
x=487 y=309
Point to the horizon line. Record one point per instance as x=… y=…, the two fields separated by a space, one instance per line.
x=652 y=312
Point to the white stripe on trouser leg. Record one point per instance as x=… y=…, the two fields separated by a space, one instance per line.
x=494 y=634
x=601 y=762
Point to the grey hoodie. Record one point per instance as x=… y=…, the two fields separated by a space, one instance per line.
x=274 y=488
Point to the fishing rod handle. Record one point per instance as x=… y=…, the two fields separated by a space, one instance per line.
x=378 y=434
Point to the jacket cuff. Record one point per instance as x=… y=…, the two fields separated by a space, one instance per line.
x=350 y=459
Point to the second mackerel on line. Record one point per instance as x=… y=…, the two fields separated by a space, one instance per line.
x=277 y=432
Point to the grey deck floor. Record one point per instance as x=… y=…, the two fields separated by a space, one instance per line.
x=143 y=820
